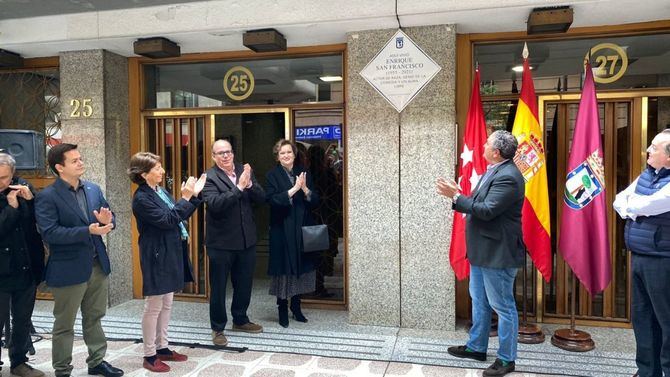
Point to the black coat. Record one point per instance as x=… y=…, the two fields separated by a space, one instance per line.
x=21 y=248
x=493 y=224
x=230 y=217
x=163 y=254
x=287 y=216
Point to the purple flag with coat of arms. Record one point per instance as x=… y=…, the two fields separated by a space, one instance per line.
x=584 y=242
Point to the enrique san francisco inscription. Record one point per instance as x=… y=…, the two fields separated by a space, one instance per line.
x=400 y=70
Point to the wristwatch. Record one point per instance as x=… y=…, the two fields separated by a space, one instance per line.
x=455 y=198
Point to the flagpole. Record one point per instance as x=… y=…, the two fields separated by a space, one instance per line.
x=525 y=129
x=586 y=142
x=528 y=333
x=572 y=339
x=573 y=304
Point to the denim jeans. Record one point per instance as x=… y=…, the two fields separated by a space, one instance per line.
x=493 y=288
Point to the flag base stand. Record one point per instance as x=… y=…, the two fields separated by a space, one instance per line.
x=530 y=334
x=573 y=340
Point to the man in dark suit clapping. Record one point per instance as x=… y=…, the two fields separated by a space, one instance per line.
x=230 y=238
x=73 y=215
x=495 y=250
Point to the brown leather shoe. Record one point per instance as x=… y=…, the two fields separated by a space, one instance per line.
x=219 y=339
x=249 y=327
x=25 y=370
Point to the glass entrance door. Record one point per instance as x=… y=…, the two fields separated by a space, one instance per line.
x=183 y=142
x=617 y=129
x=183 y=139
x=252 y=136
x=628 y=121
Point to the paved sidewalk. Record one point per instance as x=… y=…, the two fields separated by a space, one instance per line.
x=213 y=363
x=329 y=345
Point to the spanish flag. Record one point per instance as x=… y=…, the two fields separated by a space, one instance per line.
x=531 y=162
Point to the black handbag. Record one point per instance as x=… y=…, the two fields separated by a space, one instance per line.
x=314 y=238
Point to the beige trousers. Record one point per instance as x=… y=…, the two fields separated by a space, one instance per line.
x=155 y=321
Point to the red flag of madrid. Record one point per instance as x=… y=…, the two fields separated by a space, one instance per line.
x=471 y=167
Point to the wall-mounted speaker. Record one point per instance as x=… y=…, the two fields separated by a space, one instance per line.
x=27 y=148
x=10 y=59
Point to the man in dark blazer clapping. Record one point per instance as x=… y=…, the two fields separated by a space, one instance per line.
x=230 y=238
x=495 y=250
x=73 y=215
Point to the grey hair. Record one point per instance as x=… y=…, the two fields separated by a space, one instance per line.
x=505 y=142
x=667 y=145
x=7 y=159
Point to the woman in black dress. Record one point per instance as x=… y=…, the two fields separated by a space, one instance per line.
x=289 y=192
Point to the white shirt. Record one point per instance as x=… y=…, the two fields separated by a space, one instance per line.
x=630 y=205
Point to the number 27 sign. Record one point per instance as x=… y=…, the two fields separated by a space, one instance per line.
x=609 y=62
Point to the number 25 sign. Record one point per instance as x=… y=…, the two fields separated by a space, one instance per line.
x=238 y=83
x=609 y=62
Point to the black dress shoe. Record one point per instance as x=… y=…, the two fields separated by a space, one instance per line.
x=463 y=352
x=105 y=369
x=499 y=368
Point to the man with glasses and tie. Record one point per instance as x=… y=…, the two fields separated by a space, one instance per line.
x=230 y=238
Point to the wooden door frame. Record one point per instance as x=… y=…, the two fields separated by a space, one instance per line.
x=638 y=142
x=465 y=45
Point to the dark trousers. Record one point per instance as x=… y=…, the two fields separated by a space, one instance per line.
x=21 y=302
x=651 y=314
x=240 y=265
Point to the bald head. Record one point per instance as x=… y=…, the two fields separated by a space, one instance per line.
x=221 y=143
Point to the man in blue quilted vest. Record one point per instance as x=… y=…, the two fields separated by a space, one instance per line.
x=645 y=205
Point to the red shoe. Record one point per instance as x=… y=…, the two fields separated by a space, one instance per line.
x=173 y=356
x=158 y=366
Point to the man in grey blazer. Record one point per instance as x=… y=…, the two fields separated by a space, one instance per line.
x=495 y=250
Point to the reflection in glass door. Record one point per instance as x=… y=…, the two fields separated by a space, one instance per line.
x=181 y=143
x=318 y=135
